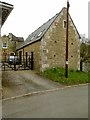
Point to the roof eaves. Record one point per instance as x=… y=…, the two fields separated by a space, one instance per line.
x=3 y=7
x=39 y=38
x=31 y=42
x=6 y=4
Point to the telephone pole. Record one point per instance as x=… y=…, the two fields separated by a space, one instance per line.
x=66 y=62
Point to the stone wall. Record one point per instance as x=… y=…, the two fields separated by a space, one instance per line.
x=35 y=48
x=53 y=45
x=51 y=50
x=10 y=47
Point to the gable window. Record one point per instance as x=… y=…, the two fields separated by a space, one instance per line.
x=64 y=24
x=32 y=38
x=4 y=45
x=39 y=34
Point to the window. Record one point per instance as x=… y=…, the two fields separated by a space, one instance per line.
x=4 y=45
x=32 y=38
x=39 y=34
x=64 y=24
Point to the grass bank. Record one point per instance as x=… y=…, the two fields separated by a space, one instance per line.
x=74 y=77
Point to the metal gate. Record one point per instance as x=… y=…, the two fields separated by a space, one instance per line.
x=21 y=62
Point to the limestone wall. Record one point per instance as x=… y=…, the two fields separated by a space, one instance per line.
x=53 y=45
x=35 y=48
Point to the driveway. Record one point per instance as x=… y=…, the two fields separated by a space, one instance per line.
x=23 y=82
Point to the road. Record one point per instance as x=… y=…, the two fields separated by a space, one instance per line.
x=64 y=103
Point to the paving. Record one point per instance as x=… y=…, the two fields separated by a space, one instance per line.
x=24 y=82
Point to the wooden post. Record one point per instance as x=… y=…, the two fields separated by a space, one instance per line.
x=66 y=62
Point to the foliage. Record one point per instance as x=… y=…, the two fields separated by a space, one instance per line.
x=85 y=52
x=74 y=77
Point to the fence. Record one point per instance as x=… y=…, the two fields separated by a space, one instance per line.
x=17 y=62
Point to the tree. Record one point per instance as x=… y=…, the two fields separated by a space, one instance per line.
x=83 y=51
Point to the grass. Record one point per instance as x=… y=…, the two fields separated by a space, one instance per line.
x=74 y=77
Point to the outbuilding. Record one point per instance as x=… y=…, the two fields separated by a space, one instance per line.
x=47 y=44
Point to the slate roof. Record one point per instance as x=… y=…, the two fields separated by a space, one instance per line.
x=38 y=34
x=20 y=39
x=14 y=38
x=5 y=9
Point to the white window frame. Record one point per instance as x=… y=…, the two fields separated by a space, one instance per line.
x=39 y=34
x=3 y=45
x=32 y=38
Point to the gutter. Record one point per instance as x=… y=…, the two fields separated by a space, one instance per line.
x=6 y=4
x=28 y=44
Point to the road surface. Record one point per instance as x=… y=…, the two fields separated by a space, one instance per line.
x=25 y=81
x=64 y=103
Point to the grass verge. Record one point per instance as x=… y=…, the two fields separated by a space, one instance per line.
x=58 y=75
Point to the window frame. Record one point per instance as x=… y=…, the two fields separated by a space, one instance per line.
x=4 y=45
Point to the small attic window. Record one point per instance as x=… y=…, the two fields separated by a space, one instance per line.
x=39 y=34
x=64 y=24
x=32 y=38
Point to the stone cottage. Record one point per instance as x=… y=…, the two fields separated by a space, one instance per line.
x=48 y=44
x=9 y=44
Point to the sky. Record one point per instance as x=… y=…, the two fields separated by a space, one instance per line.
x=28 y=15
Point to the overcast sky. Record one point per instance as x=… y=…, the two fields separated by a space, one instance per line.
x=28 y=15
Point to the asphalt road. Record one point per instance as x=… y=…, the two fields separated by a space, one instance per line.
x=64 y=103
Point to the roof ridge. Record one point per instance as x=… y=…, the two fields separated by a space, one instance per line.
x=43 y=24
x=39 y=32
x=48 y=20
x=44 y=27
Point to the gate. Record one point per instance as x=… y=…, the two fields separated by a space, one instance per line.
x=21 y=62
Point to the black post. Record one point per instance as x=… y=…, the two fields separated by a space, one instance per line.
x=31 y=60
x=81 y=65
x=66 y=62
x=26 y=59
x=23 y=59
x=14 y=58
x=4 y=58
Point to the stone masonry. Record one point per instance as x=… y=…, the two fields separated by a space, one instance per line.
x=53 y=45
x=50 y=50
